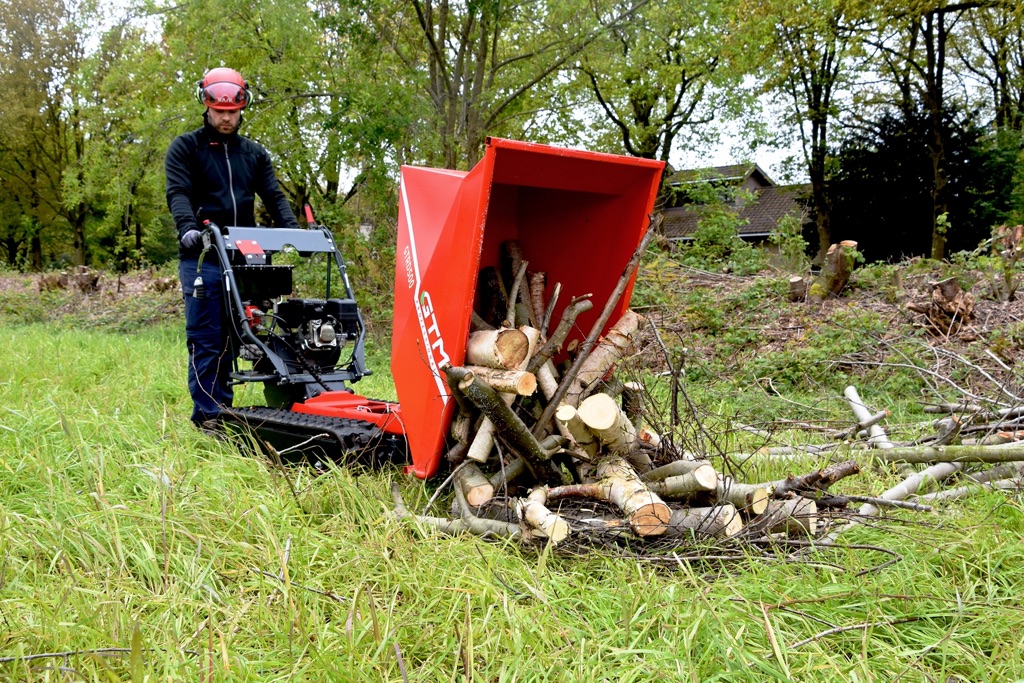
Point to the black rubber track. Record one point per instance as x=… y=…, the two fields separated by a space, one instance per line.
x=314 y=439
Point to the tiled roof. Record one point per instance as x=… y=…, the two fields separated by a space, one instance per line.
x=732 y=172
x=760 y=216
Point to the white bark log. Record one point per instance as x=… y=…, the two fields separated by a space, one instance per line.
x=674 y=469
x=483 y=441
x=475 y=486
x=648 y=515
x=504 y=348
x=720 y=521
x=751 y=499
x=517 y=382
x=608 y=423
x=567 y=416
x=876 y=435
x=543 y=521
x=793 y=517
x=613 y=346
x=703 y=478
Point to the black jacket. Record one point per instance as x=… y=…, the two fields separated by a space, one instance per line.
x=216 y=177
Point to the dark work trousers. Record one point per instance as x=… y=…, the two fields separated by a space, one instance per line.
x=210 y=356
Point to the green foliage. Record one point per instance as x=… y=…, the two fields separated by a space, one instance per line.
x=1000 y=259
x=660 y=76
x=1008 y=341
x=716 y=244
x=792 y=247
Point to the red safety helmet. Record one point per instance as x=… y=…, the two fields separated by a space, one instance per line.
x=223 y=89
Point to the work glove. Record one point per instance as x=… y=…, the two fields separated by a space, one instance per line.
x=191 y=239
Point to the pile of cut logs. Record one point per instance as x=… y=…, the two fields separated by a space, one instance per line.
x=532 y=439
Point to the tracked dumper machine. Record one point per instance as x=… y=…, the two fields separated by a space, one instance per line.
x=578 y=216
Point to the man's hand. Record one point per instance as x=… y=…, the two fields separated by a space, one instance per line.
x=191 y=239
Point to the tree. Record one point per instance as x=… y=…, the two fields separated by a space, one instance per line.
x=913 y=44
x=42 y=136
x=992 y=51
x=664 y=72
x=480 y=63
x=810 y=54
x=882 y=191
x=121 y=168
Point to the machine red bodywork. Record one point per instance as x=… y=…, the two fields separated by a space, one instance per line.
x=578 y=216
x=384 y=414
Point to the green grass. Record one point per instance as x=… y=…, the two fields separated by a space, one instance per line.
x=122 y=527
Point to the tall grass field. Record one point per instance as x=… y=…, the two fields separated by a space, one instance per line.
x=134 y=548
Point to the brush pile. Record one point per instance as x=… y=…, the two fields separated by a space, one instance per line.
x=550 y=443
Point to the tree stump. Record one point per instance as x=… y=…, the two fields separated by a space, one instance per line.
x=835 y=273
x=948 y=309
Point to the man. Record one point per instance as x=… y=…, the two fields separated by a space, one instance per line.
x=213 y=173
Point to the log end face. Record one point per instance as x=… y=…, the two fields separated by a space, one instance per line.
x=651 y=519
x=757 y=501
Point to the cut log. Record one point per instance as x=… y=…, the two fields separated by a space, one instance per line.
x=543 y=521
x=794 y=517
x=620 y=485
x=475 y=486
x=674 y=469
x=508 y=424
x=612 y=347
x=482 y=442
x=702 y=478
x=797 y=288
x=719 y=521
x=748 y=498
x=567 y=416
x=835 y=273
x=517 y=382
x=504 y=349
x=648 y=515
x=609 y=424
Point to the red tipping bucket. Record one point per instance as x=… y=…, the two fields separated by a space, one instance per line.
x=577 y=216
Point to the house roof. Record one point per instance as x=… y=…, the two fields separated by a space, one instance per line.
x=733 y=172
x=760 y=217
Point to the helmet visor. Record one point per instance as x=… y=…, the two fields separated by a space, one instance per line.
x=224 y=95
